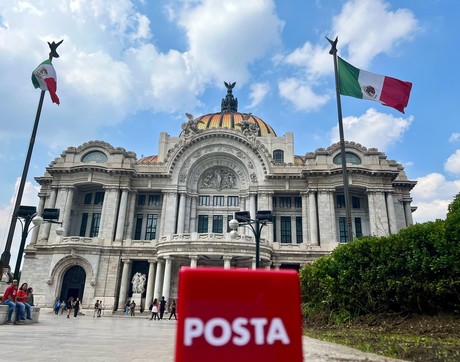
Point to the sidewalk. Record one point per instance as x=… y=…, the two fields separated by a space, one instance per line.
x=120 y=338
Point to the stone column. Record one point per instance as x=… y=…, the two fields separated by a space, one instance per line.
x=121 y=221
x=377 y=213
x=51 y=204
x=253 y=264
x=131 y=214
x=193 y=261
x=252 y=205
x=167 y=278
x=313 y=218
x=193 y=214
x=67 y=209
x=293 y=230
x=41 y=206
x=124 y=282
x=150 y=283
x=106 y=230
x=170 y=213
x=158 y=279
x=326 y=216
x=408 y=212
x=305 y=237
x=277 y=266
x=391 y=213
x=181 y=213
x=264 y=201
x=227 y=261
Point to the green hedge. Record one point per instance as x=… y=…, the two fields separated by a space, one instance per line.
x=416 y=270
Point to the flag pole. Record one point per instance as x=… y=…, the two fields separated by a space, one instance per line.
x=6 y=255
x=346 y=192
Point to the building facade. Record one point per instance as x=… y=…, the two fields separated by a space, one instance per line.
x=123 y=215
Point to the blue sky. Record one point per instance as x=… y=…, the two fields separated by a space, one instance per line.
x=131 y=69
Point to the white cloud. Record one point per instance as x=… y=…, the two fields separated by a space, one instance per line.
x=455 y=137
x=373 y=129
x=300 y=94
x=432 y=195
x=226 y=36
x=452 y=164
x=367 y=28
x=258 y=93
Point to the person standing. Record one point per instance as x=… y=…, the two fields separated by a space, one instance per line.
x=132 y=308
x=21 y=297
x=62 y=308
x=9 y=299
x=76 y=307
x=155 y=310
x=69 y=306
x=162 y=307
x=99 y=309
x=172 y=312
x=96 y=308
x=56 y=307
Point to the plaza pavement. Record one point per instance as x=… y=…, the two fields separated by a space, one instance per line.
x=120 y=338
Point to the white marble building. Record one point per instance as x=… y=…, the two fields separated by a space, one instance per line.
x=152 y=215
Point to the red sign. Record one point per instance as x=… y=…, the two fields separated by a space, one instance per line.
x=238 y=315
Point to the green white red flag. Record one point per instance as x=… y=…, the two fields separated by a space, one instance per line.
x=44 y=77
x=359 y=83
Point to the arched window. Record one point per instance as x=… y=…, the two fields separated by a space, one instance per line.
x=349 y=157
x=278 y=156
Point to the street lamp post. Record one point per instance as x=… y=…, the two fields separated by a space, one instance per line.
x=27 y=215
x=243 y=218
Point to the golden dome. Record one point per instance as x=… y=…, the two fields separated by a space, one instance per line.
x=233 y=120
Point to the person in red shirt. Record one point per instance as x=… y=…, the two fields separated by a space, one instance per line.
x=21 y=297
x=9 y=299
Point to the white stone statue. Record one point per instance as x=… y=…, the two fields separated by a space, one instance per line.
x=138 y=283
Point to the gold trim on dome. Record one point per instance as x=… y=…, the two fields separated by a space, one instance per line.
x=232 y=121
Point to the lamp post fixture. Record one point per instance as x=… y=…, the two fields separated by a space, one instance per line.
x=27 y=215
x=243 y=218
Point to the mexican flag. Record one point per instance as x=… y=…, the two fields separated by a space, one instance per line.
x=358 y=83
x=44 y=77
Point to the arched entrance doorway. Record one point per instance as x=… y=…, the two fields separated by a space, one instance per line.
x=73 y=284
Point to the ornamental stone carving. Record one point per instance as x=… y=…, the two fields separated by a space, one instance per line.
x=218 y=179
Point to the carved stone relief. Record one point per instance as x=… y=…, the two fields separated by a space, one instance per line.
x=218 y=179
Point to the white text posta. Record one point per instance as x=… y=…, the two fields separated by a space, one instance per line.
x=240 y=332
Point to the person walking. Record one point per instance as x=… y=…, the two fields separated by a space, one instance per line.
x=99 y=309
x=96 y=308
x=62 y=308
x=162 y=307
x=56 y=307
x=172 y=311
x=155 y=310
x=76 y=307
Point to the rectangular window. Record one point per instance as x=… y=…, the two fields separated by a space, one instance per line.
x=343 y=229
x=298 y=229
x=233 y=201
x=285 y=201
x=286 y=229
x=358 y=227
x=273 y=201
x=340 y=201
x=84 y=223
x=154 y=200
x=218 y=201
x=88 y=198
x=203 y=201
x=138 y=227
x=151 y=227
x=298 y=202
x=141 y=200
x=274 y=229
x=202 y=223
x=217 y=223
x=99 y=198
x=95 y=225
x=355 y=202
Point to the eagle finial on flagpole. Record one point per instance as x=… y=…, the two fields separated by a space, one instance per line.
x=333 y=45
x=53 y=46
